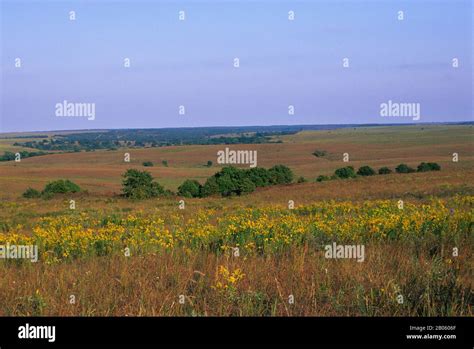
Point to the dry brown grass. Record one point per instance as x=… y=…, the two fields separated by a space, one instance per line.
x=152 y=284
x=100 y=171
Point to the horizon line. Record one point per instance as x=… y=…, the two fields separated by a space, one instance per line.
x=250 y=126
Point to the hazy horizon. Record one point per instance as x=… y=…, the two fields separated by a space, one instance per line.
x=329 y=126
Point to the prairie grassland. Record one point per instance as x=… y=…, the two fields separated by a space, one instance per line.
x=100 y=171
x=173 y=254
x=189 y=254
x=221 y=285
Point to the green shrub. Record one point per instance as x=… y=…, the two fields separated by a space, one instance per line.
x=190 y=188
x=301 y=180
x=280 y=174
x=345 y=172
x=61 y=186
x=259 y=176
x=209 y=163
x=428 y=166
x=31 y=193
x=210 y=187
x=319 y=153
x=404 y=168
x=165 y=163
x=245 y=186
x=148 y=164
x=366 y=171
x=322 y=178
x=384 y=170
x=140 y=185
x=229 y=180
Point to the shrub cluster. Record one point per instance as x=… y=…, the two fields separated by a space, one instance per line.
x=349 y=172
x=9 y=156
x=428 y=166
x=235 y=181
x=404 y=168
x=61 y=186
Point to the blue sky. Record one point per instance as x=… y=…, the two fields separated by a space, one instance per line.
x=190 y=62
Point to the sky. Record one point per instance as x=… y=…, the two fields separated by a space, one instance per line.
x=190 y=63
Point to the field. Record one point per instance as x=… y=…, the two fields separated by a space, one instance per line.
x=249 y=254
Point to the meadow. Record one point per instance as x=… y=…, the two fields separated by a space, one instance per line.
x=251 y=254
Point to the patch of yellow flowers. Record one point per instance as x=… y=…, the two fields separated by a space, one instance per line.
x=227 y=279
x=252 y=230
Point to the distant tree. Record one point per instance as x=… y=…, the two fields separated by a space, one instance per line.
x=140 y=185
x=7 y=156
x=366 y=171
x=345 y=172
x=209 y=163
x=434 y=166
x=190 y=189
x=165 y=163
x=147 y=164
x=404 y=168
x=384 y=170
x=428 y=166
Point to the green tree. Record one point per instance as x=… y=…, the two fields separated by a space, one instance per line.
x=384 y=170
x=245 y=186
x=366 y=171
x=428 y=166
x=210 y=187
x=190 y=188
x=259 y=176
x=140 y=185
x=345 y=172
x=404 y=168
x=280 y=174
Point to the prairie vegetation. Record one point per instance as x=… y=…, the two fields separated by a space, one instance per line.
x=246 y=254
